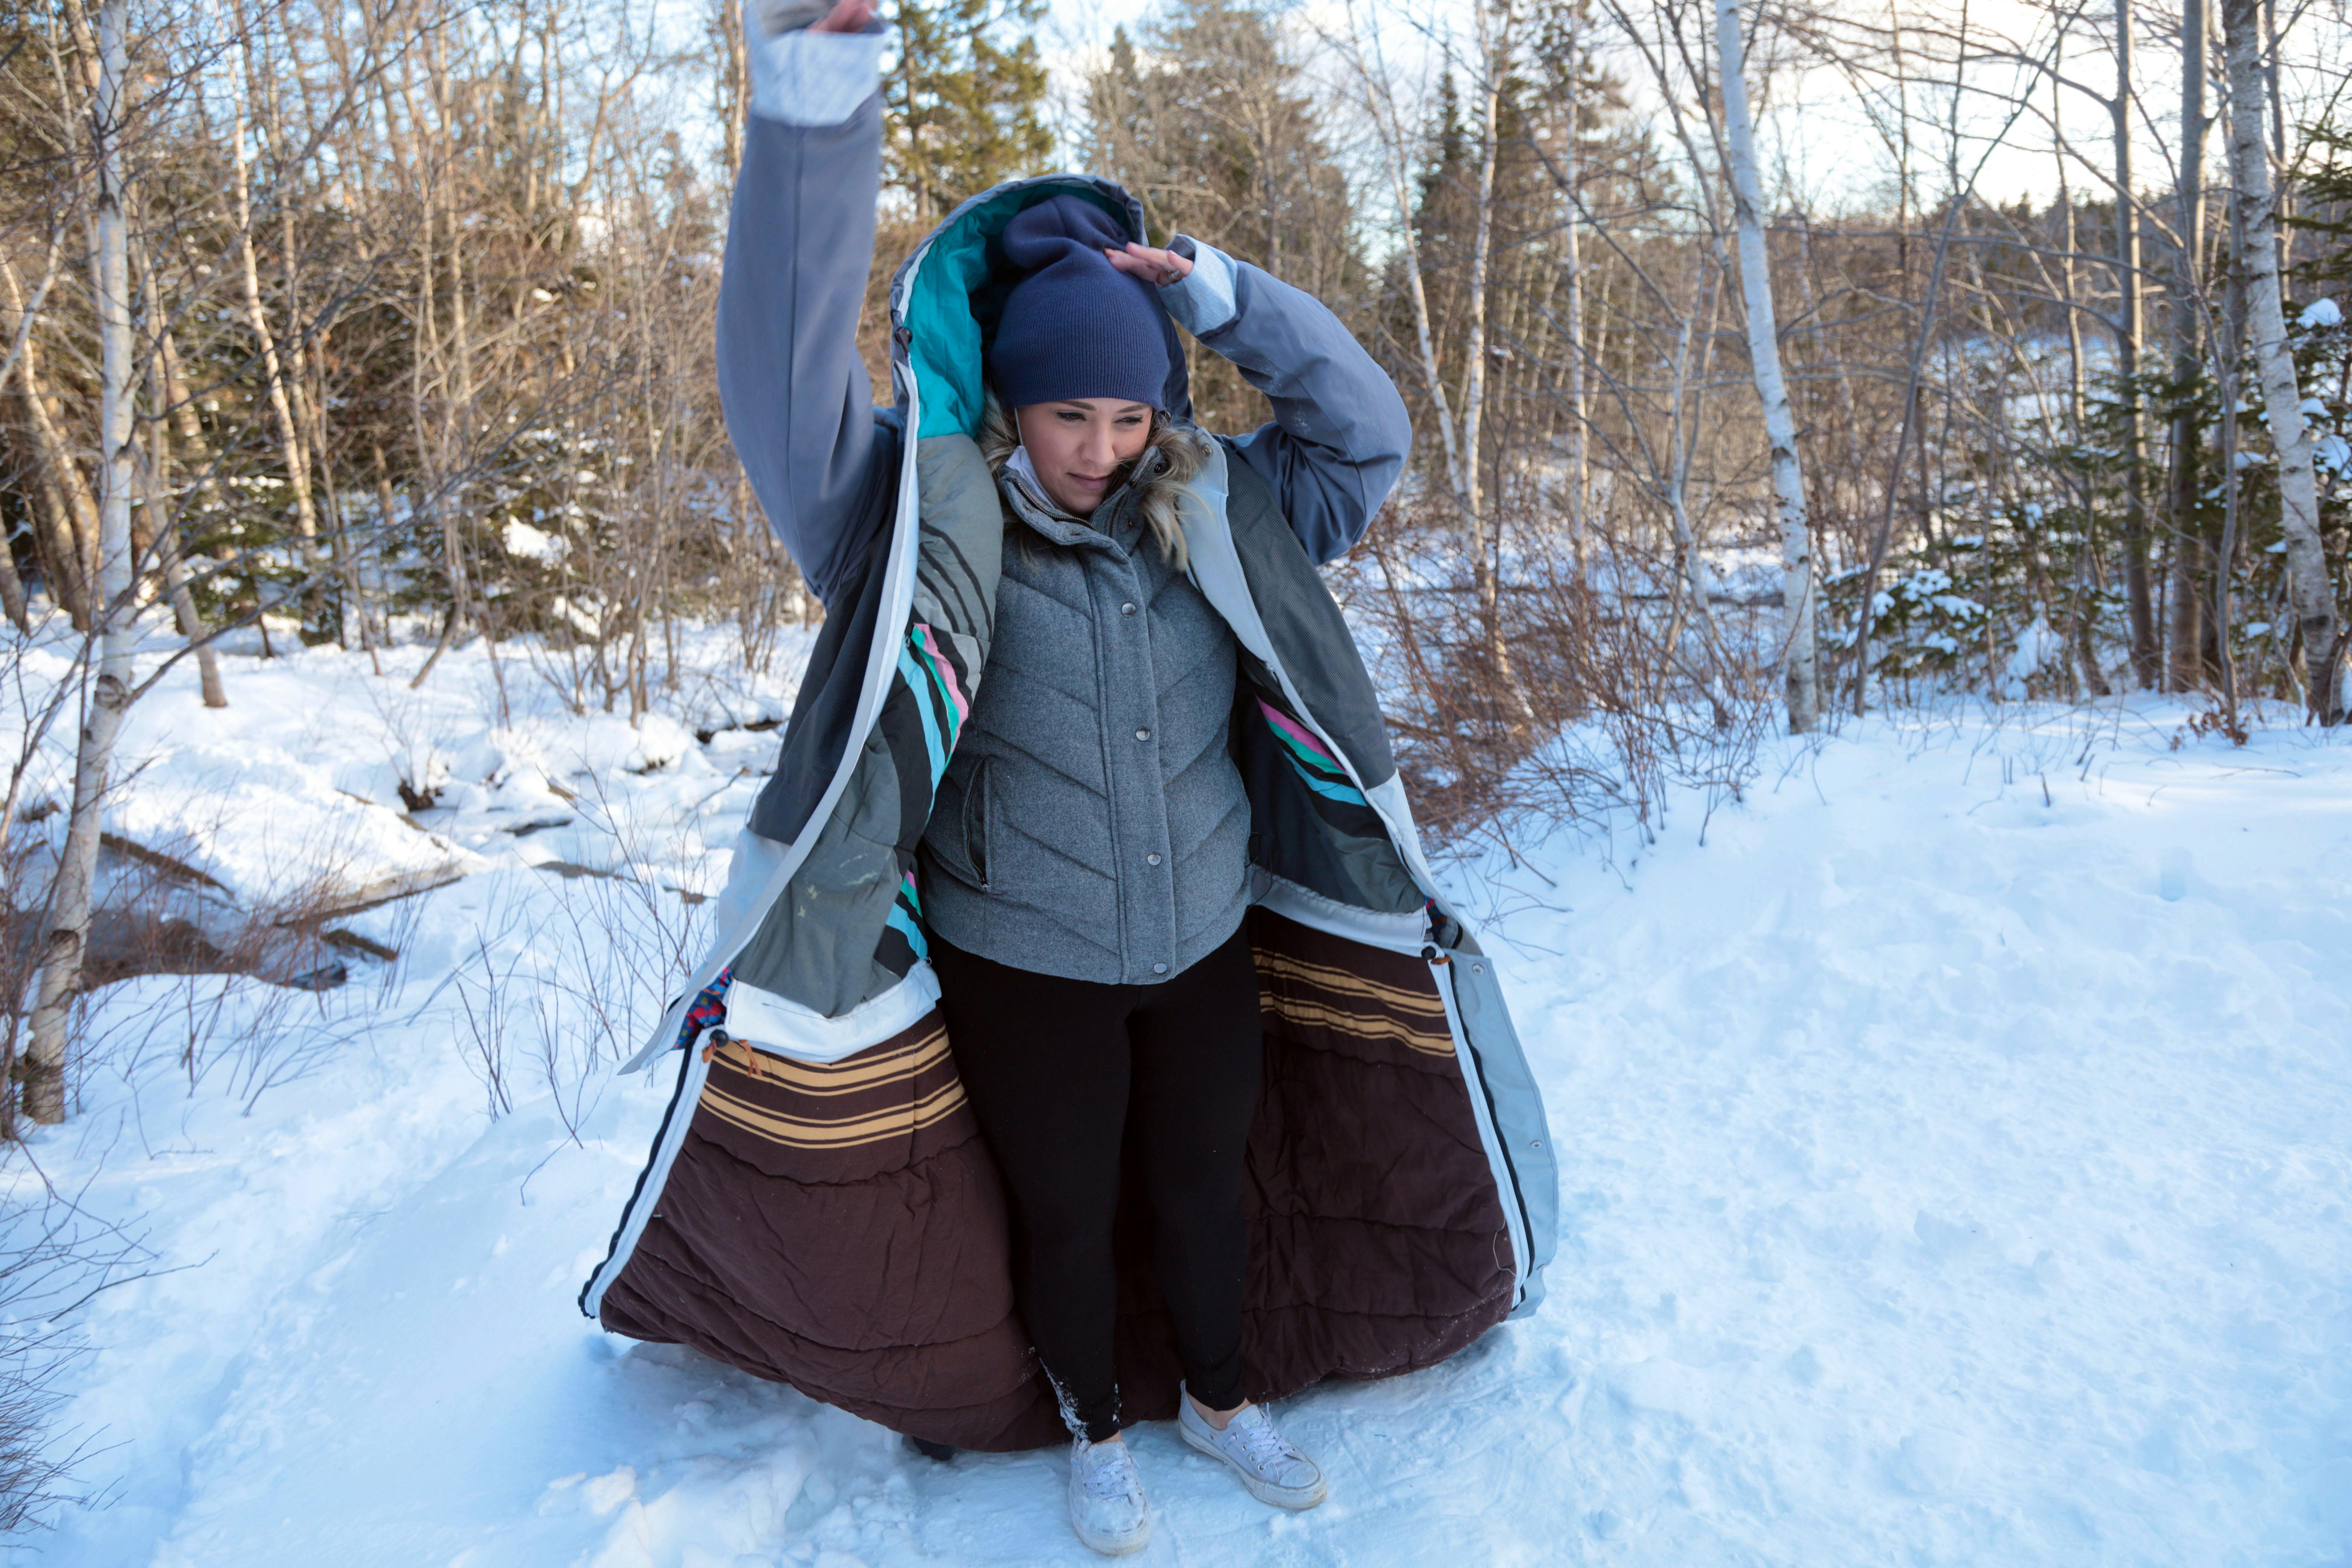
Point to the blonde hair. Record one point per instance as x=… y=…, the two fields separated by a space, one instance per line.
x=1182 y=450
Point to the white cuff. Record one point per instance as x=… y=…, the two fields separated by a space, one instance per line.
x=802 y=78
x=1202 y=300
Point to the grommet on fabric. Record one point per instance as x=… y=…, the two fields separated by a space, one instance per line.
x=1152 y=859
x=1159 y=968
x=1143 y=734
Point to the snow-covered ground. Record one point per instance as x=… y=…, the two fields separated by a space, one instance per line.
x=1956 y=1147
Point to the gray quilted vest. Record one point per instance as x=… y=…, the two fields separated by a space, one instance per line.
x=1092 y=823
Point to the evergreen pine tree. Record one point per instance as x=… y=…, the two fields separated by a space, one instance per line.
x=965 y=107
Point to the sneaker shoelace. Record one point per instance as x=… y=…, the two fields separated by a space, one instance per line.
x=1107 y=1474
x=1262 y=1442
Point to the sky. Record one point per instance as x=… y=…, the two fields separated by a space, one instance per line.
x=1825 y=146
x=1814 y=133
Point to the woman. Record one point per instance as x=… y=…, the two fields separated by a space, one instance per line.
x=1092 y=963
x=1084 y=873
x=1127 y=724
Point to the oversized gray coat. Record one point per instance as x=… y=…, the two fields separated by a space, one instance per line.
x=818 y=1206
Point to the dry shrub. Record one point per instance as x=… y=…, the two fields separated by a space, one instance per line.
x=20 y=957
x=55 y=1256
x=271 y=1009
x=256 y=996
x=1592 y=688
x=564 y=995
x=500 y=966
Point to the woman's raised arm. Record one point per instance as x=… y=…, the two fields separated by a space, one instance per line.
x=800 y=239
x=1341 y=434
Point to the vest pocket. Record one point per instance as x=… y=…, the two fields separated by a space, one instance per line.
x=955 y=840
x=978 y=812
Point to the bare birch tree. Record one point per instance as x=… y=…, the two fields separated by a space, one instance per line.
x=1800 y=667
x=110 y=603
x=2185 y=651
x=1572 y=175
x=2130 y=333
x=1496 y=38
x=1366 y=61
x=2313 y=594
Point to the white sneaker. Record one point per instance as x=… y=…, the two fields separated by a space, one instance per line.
x=1107 y=1505
x=1274 y=1470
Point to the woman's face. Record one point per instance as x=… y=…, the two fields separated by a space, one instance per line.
x=1080 y=447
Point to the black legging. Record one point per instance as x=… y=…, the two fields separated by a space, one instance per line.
x=1052 y=1067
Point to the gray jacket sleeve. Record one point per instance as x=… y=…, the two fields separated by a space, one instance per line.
x=800 y=237
x=1341 y=434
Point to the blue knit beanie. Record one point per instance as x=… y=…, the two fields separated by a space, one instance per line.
x=1075 y=326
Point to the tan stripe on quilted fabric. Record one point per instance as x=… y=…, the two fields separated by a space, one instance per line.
x=796 y=1132
x=1364 y=1025
x=1348 y=983
x=843 y=1077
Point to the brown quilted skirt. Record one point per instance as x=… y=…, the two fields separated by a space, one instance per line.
x=842 y=1229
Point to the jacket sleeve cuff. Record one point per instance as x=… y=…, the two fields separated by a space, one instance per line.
x=800 y=77
x=1202 y=300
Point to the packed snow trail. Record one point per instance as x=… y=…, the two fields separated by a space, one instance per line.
x=1954 y=1170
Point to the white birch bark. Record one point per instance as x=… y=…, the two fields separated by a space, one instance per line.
x=1681 y=425
x=1580 y=482
x=12 y=588
x=1460 y=442
x=1494 y=52
x=164 y=525
x=2131 y=330
x=2313 y=595
x=73 y=513
x=2184 y=655
x=155 y=483
x=110 y=611
x=1494 y=63
x=1800 y=680
x=1387 y=128
x=290 y=429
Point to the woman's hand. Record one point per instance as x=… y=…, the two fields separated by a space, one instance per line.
x=1158 y=268
x=847 y=16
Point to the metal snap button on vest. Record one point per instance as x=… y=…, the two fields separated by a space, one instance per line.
x=1152 y=859
x=1159 y=968
x=1143 y=734
x=1126 y=609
